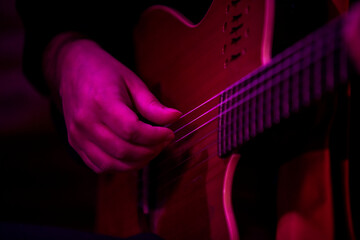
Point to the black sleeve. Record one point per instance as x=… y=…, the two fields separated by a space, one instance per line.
x=109 y=23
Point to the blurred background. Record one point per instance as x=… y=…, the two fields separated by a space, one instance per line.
x=39 y=182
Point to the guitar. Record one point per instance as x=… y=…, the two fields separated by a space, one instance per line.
x=251 y=156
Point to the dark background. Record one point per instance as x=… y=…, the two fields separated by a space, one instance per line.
x=39 y=184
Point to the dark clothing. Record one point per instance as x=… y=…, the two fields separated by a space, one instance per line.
x=109 y=23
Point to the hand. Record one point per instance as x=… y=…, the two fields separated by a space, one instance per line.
x=100 y=98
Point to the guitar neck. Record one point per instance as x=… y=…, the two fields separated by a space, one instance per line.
x=293 y=80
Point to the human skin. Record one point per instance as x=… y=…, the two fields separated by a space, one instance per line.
x=101 y=99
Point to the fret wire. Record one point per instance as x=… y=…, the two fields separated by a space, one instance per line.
x=297 y=47
x=203 y=161
x=268 y=100
x=302 y=56
x=234 y=106
x=276 y=98
x=236 y=124
x=260 y=113
x=293 y=73
x=197 y=141
x=246 y=118
x=196 y=153
x=332 y=29
x=261 y=104
x=268 y=86
x=295 y=84
x=253 y=111
x=222 y=121
x=241 y=122
x=289 y=52
x=228 y=122
x=286 y=90
x=343 y=71
x=305 y=86
x=278 y=70
x=250 y=86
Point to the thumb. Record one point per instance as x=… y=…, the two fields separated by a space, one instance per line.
x=149 y=106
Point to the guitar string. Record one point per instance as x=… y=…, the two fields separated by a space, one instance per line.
x=199 y=106
x=214 y=142
x=162 y=189
x=194 y=165
x=248 y=99
x=250 y=87
x=276 y=81
x=250 y=122
x=305 y=42
x=199 y=164
x=184 y=149
x=171 y=170
x=257 y=82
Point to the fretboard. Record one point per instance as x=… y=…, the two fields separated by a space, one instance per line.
x=293 y=80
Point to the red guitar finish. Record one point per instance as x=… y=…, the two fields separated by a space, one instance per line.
x=187 y=192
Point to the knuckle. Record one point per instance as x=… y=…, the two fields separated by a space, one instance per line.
x=97 y=99
x=80 y=116
x=97 y=164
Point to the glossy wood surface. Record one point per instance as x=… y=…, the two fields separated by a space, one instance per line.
x=193 y=68
x=185 y=65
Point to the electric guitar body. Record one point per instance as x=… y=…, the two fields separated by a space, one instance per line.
x=273 y=177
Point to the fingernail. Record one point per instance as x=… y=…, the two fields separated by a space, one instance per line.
x=177 y=112
x=171 y=109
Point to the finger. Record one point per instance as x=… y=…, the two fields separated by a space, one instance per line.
x=148 y=105
x=121 y=120
x=88 y=162
x=114 y=146
x=75 y=144
x=131 y=158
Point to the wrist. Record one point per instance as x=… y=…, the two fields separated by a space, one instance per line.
x=58 y=56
